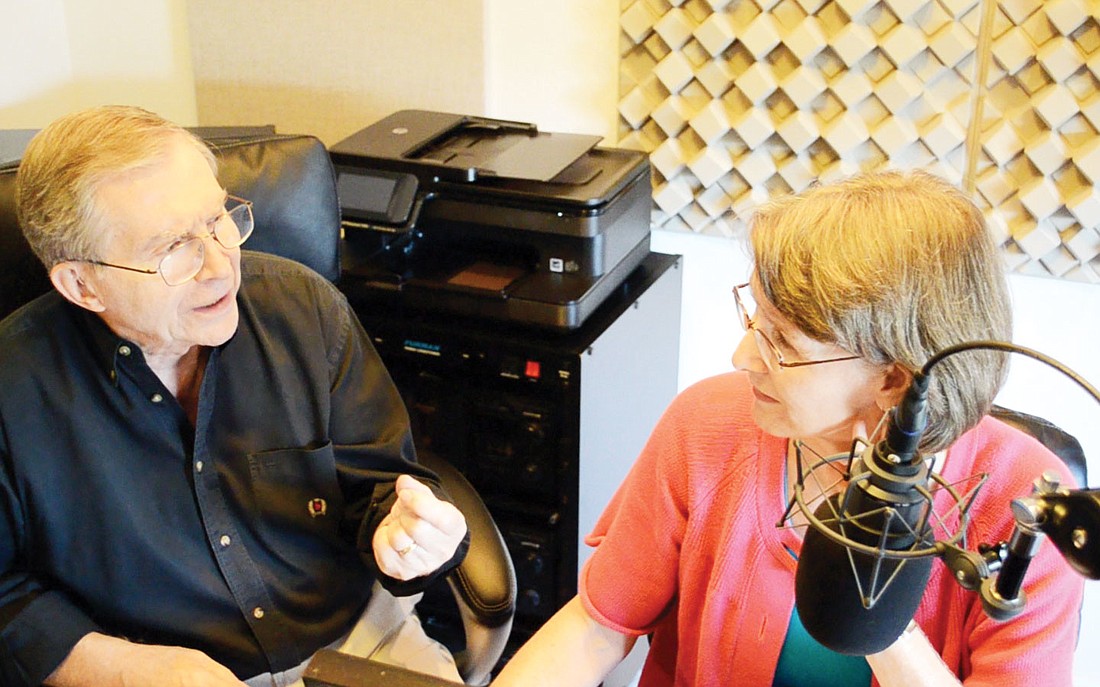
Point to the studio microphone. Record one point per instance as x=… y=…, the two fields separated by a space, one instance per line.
x=867 y=554
x=861 y=572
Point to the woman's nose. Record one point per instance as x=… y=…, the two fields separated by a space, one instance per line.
x=747 y=355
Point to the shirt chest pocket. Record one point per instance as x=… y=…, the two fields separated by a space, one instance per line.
x=296 y=491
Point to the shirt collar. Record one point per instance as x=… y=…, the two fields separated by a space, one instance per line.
x=109 y=349
x=107 y=346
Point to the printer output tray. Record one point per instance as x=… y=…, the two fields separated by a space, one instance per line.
x=540 y=299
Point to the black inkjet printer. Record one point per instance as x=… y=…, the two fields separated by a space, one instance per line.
x=489 y=218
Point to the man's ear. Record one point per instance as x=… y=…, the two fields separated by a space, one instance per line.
x=895 y=382
x=68 y=278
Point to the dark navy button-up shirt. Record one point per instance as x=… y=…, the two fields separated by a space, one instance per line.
x=246 y=536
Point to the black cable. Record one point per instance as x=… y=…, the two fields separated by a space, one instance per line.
x=1010 y=348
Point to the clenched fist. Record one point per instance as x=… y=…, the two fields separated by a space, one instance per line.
x=420 y=533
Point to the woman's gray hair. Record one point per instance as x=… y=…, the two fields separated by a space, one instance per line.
x=64 y=164
x=893 y=266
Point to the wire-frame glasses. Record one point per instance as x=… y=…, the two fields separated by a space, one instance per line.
x=187 y=255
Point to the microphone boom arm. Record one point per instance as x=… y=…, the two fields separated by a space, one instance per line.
x=1070 y=518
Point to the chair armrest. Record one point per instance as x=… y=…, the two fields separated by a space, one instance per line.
x=22 y=276
x=484 y=584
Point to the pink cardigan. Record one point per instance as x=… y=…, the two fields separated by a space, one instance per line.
x=688 y=550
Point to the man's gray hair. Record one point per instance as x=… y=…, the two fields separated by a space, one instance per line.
x=65 y=163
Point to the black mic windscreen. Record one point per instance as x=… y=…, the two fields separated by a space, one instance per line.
x=827 y=594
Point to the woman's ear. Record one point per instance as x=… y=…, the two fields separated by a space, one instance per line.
x=895 y=382
x=68 y=278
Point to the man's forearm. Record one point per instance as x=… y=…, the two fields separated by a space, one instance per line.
x=98 y=660
x=89 y=663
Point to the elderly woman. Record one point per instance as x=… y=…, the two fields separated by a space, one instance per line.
x=855 y=285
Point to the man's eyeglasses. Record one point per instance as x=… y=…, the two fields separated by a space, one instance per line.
x=186 y=256
x=769 y=352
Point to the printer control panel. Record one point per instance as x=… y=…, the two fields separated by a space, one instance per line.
x=371 y=197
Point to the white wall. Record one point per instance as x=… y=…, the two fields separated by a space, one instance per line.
x=61 y=55
x=533 y=50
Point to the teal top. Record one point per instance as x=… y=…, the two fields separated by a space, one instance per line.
x=803 y=662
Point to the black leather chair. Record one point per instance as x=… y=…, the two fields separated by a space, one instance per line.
x=291 y=182
x=1061 y=443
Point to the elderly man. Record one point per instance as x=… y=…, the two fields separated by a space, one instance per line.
x=205 y=467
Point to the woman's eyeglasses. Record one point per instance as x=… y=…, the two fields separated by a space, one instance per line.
x=769 y=352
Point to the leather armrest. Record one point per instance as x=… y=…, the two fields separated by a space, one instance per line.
x=22 y=276
x=484 y=584
x=486 y=579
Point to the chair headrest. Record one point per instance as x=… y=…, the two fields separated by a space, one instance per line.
x=288 y=178
x=292 y=185
x=22 y=276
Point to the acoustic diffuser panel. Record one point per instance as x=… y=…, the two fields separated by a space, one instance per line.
x=738 y=100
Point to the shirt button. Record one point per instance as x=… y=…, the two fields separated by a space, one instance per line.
x=156 y=398
x=124 y=350
x=198 y=466
x=257 y=613
x=225 y=540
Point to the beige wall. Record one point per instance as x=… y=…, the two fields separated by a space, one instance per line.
x=326 y=68
x=332 y=68
x=555 y=64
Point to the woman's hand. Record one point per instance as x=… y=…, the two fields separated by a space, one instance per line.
x=911 y=661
